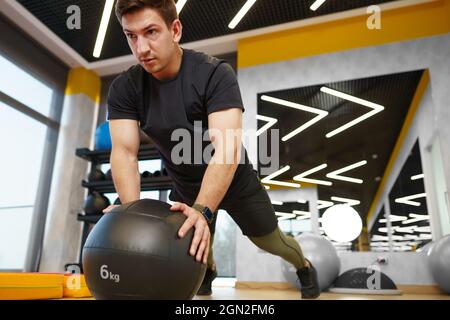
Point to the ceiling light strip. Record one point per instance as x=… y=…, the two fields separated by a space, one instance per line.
x=268 y=179
x=180 y=5
x=284 y=215
x=394 y=218
x=109 y=4
x=277 y=203
x=418 y=176
x=322 y=204
x=270 y=122
x=301 y=176
x=320 y=114
x=317 y=4
x=350 y=202
x=246 y=7
x=336 y=174
x=376 y=109
x=416 y=218
x=406 y=200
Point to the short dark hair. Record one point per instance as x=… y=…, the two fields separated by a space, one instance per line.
x=166 y=8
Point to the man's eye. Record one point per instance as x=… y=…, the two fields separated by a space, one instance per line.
x=130 y=35
x=151 y=31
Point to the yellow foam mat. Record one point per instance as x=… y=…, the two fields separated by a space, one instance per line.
x=74 y=286
x=29 y=286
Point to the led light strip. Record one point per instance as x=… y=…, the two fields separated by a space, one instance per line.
x=406 y=200
x=317 y=4
x=416 y=218
x=180 y=5
x=301 y=177
x=320 y=114
x=270 y=122
x=411 y=237
x=268 y=179
x=284 y=215
x=376 y=109
x=277 y=203
x=322 y=204
x=418 y=176
x=426 y=229
x=379 y=238
x=383 y=230
x=302 y=215
x=394 y=218
x=410 y=229
x=350 y=202
x=394 y=237
x=109 y=4
x=241 y=14
x=336 y=174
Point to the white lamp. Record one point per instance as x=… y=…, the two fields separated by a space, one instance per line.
x=342 y=223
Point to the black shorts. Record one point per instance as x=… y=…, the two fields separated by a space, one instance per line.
x=253 y=212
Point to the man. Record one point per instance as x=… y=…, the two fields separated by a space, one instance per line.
x=174 y=88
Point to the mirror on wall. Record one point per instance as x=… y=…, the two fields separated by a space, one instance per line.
x=409 y=218
x=336 y=141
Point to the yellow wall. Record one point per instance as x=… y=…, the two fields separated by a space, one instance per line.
x=81 y=80
x=398 y=24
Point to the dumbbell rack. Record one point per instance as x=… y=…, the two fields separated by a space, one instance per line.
x=97 y=157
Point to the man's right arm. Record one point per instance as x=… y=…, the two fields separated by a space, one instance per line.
x=124 y=158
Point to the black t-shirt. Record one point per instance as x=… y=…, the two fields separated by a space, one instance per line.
x=203 y=85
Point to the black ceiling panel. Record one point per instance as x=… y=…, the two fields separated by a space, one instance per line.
x=202 y=19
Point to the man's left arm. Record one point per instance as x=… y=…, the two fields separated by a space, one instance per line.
x=224 y=108
x=225 y=135
x=225 y=132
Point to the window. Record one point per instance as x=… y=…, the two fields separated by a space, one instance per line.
x=22 y=143
x=26 y=89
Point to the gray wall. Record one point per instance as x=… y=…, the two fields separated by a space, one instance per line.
x=62 y=241
x=431 y=120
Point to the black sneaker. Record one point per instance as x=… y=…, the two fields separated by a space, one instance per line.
x=205 y=288
x=309 y=282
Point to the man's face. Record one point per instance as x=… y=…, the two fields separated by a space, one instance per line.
x=150 y=40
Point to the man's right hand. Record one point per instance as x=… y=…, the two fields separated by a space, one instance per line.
x=109 y=208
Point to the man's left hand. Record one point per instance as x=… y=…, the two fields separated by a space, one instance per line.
x=202 y=235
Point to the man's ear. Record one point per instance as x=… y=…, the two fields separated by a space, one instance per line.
x=177 y=30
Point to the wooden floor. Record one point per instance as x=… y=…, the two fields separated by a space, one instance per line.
x=226 y=290
x=228 y=293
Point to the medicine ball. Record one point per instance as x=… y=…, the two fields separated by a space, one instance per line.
x=439 y=262
x=134 y=252
x=108 y=175
x=95 y=203
x=96 y=175
x=156 y=173
x=103 y=137
x=146 y=174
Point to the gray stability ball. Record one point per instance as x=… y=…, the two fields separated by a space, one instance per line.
x=439 y=262
x=322 y=255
